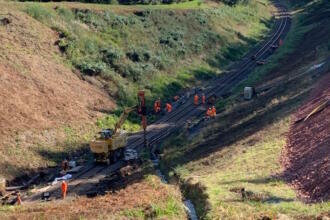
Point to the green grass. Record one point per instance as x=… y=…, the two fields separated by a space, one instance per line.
x=109 y=121
x=249 y=160
x=161 y=49
x=292 y=40
x=254 y=169
x=252 y=162
x=152 y=48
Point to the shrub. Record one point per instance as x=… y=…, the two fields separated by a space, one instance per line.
x=134 y=71
x=158 y=62
x=139 y=55
x=230 y=2
x=90 y=18
x=91 y=67
x=111 y=55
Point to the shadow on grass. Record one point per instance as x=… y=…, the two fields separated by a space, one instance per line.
x=239 y=132
x=53 y=158
x=196 y=192
x=266 y=180
x=241 y=122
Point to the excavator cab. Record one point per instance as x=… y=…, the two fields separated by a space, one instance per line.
x=108 y=147
x=106 y=134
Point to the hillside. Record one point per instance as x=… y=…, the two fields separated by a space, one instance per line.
x=64 y=65
x=39 y=93
x=256 y=160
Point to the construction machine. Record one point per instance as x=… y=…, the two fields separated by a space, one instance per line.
x=109 y=146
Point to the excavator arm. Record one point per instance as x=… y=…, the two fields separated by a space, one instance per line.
x=123 y=118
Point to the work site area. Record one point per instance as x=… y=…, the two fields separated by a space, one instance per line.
x=162 y=109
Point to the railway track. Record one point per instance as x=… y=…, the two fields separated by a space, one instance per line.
x=177 y=118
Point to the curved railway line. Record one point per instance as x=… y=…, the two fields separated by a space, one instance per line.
x=176 y=119
x=219 y=87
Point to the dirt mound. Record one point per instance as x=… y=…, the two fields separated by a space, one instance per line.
x=307 y=155
x=37 y=90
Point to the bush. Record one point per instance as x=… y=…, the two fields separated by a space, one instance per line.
x=134 y=71
x=90 y=18
x=111 y=55
x=139 y=55
x=91 y=67
x=230 y=2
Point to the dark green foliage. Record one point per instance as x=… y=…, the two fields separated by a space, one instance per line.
x=123 y=2
x=138 y=55
x=230 y=2
x=203 y=74
x=111 y=56
x=233 y=52
x=91 y=67
x=146 y=49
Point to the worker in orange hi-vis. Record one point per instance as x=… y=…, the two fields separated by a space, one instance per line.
x=19 y=199
x=209 y=113
x=203 y=99
x=195 y=99
x=280 y=42
x=155 y=107
x=214 y=112
x=168 y=107
x=64 y=188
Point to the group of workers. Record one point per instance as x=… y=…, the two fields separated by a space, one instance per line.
x=158 y=106
x=196 y=99
x=210 y=112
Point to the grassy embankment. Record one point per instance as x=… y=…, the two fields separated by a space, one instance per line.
x=161 y=49
x=242 y=147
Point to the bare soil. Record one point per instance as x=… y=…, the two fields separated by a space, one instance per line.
x=306 y=157
x=38 y=91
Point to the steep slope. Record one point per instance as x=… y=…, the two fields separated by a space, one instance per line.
x=64 y=64
x=233 y=169
x=307 y=153
x=38 y=92
x=160 y=50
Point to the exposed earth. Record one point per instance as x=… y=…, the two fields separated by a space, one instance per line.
x=307 y=154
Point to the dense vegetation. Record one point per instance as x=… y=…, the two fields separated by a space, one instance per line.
x=155 y=49
x=143 y=2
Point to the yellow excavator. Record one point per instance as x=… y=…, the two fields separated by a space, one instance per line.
x=109 y=146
